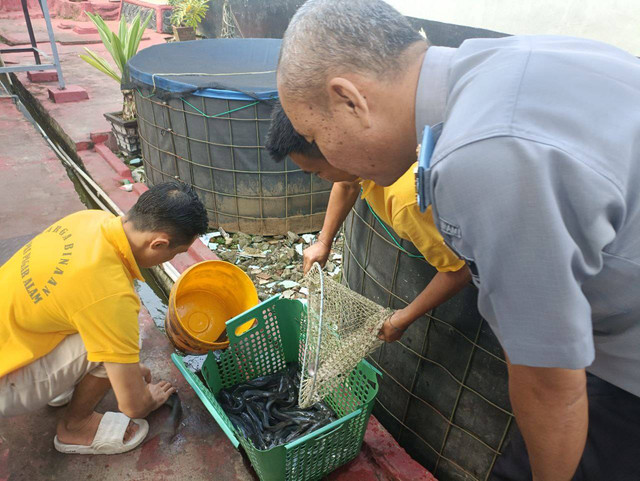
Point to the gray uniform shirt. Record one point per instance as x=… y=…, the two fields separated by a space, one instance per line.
x=535 y=181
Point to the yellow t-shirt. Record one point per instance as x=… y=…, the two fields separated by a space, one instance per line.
x=75 y=277
x=397 y=206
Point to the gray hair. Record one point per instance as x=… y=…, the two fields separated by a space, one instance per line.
x=338 y=36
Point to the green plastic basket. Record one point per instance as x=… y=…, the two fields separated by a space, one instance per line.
x=274 y=341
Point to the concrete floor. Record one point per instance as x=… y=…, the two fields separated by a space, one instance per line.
x=35 y=189
x=85 y=118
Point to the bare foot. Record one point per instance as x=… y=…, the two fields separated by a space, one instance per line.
x=82 y=432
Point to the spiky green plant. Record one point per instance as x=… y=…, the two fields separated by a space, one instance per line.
x=188 y=13
x=121 y=46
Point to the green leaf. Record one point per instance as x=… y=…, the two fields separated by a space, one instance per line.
x=131 y=36
x=101 y=64
x=135 y=42
x=133 y=33
x=122 y=31
x=121 y=46
x=106 y=35
x=121 y=62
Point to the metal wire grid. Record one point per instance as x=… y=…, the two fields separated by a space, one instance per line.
x=167 y=148
x=444 y=466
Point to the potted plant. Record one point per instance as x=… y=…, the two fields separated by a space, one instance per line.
x=186 y=16
x=121 y=46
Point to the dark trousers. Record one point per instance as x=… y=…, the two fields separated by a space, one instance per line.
x=612 y=452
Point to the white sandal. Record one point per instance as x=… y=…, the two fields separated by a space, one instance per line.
x=109 y=436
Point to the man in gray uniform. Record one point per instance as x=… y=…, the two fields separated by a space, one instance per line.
x=534 y=181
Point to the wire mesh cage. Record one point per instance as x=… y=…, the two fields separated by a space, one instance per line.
x=443 y=394
x=208 y=128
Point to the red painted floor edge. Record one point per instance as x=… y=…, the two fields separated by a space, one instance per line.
x=114 y=161
x=390 y=457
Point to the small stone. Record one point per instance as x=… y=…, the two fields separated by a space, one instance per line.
x=244 y=240
x=194 y=363
x=299 y=249
x=138 y=174
x=304 y=291
x=330 y=266
x=206 y=238
x=228 y=256
x=227 y=238
x=288 y=294
x=293 y=237
x=289 y=284
x=308 y=238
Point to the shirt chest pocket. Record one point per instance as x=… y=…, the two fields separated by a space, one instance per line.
x=452 y=236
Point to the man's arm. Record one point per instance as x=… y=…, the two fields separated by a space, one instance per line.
x=535 y=220
x=135 y=397
x=551 y=408
x=343 y=196
x=442 y=287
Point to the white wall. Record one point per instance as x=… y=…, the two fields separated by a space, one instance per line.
x=613 y=21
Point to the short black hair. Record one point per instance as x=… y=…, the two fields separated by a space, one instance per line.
x=172 y=207
x=283 y=139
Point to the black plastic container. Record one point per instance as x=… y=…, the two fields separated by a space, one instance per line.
x=204 y=112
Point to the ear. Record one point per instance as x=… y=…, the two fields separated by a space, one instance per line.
x=345 y=96
x=160 y=240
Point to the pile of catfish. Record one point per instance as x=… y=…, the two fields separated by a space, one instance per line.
x=265 y=410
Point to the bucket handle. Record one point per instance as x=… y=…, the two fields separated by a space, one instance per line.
x=246 y=316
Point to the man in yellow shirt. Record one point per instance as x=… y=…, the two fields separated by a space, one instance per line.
x=69 y=317
x=395 y=205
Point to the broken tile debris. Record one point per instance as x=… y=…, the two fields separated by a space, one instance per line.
x=274 y=263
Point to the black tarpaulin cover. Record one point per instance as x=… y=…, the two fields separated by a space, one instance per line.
x=235 y=68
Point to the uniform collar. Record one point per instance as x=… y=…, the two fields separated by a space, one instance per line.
x=114 y=233
x=431 y=95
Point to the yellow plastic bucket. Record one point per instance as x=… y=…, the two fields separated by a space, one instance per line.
x=203 y=298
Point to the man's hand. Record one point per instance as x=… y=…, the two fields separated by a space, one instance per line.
x=160 y=392
x=551 y=409
x=318 y=252
x=394 y=327
x=135 y=397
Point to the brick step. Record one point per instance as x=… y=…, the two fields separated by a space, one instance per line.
x=107 y=10
x=70 y=10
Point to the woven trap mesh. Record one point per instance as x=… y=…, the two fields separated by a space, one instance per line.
x=341 y=329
